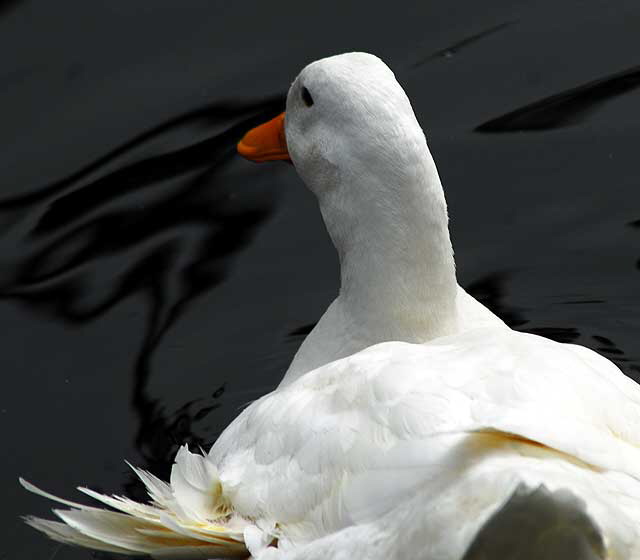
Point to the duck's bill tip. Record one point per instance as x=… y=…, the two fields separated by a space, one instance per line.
x=266 y=142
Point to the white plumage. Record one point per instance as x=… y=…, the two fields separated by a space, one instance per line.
x=412 y=423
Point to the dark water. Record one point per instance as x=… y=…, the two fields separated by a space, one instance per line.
x=152 y=283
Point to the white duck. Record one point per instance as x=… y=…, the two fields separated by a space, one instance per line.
x=412 y=422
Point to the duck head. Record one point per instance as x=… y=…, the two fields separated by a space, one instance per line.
x=344 y=115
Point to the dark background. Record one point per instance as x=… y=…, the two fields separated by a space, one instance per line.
x=152 y=282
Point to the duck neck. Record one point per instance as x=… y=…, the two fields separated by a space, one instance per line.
x=398 y=277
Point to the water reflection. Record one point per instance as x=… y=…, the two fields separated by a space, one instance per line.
x=302 y=330
x=636 y=224
x=164 y=226
x=7 y=5
x=559 y=334
x=491 y=290
x=451 y=50
x=565 y=108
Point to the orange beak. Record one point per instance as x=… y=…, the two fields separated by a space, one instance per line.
x=266 y=142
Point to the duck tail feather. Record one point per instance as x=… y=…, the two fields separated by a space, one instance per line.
x=137 y=529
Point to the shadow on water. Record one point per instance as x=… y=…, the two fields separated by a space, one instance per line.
x=520 y=528
x=164 y=226
x=566 y=108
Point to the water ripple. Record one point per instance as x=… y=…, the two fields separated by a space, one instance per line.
x=566 y=108
x=453 y=49
x=165 y=226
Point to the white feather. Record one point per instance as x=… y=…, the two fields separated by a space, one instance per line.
x=63 y=533
x=159 y=491
x=196 y=486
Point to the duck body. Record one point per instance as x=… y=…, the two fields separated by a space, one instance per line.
x=412 y=422
x=415 y=446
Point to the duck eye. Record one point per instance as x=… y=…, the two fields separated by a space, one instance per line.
x=306 y=97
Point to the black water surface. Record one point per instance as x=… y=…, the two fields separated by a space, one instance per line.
x=152 y=283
